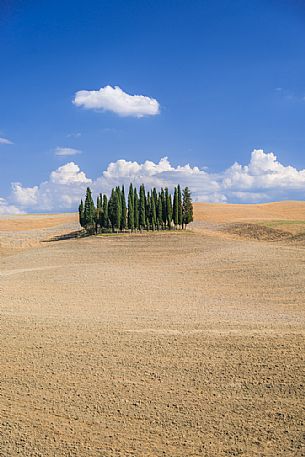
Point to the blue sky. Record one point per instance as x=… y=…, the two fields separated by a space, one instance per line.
x=229 y=77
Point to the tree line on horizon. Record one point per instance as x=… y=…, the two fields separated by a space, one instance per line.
x=143 y=211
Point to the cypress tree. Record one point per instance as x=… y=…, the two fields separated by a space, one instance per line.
x=114 y=209
x=130 y=215
x=81 y=214
x=111 y=209
x=159 y=212
x=175 y=208
x=187 y=207
x=155 y=195
x=142 y=207
x=169 y=208
x=105 y=218
x=164 y=210
x=179 y=205
x=136 y=209
x=148 y=211
x=99 y=210
x=89 y=211
x=118 y=208
x=153 y=213
x=123 y=209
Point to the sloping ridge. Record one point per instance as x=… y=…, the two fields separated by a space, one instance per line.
x=258 y=232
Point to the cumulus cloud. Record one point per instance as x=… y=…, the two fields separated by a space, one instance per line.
x=5 y=141
x=25 y=196
x=6 y=208
x=66 y=151
x=264 y=178
x=114 y=99
x=161 y=174
x=62 y=191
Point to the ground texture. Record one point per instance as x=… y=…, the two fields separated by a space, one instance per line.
x=181 y=344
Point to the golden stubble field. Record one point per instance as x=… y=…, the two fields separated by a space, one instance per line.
x=172 y=344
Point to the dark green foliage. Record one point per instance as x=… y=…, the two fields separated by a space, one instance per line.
x=81 y=214
x=89 y=212
x=169 y=208
x=136 y=209
x=142 y=208
x=175 y=208
x=114 y=209
x=99 y=211
x=131 y=224
x=159 y=212
x=123 y=210
x=153 y=212
x=164 y=209
x=105 y=217
x=187 y=207
x=179 y=205
x=149 y=211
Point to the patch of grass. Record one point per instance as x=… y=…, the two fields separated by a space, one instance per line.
x=282 y=222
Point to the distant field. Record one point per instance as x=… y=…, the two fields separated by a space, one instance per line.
x=268 y=221
x=182 y=344
x=270 y=214
x=35 y=221
x=225 y=213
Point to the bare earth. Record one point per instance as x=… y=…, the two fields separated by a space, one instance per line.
x=173 y=344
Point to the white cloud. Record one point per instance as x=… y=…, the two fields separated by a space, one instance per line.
x=69 y=174
x=264 y=173
x=5 y=208
x=66 y=151
x=160 y=174
x=264 y=178
x=63 y=190
x=25 y=196
x=5 y=141
x=114 y=99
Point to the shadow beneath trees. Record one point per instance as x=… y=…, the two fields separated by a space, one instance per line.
x=68 y=236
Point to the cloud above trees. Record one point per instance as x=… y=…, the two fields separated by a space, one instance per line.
x=114 y=99
x=263 y=179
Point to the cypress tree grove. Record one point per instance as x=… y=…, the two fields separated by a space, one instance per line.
x=149 y=211
x=130 y=213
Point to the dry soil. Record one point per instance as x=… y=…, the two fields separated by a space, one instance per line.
x=173 y=344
